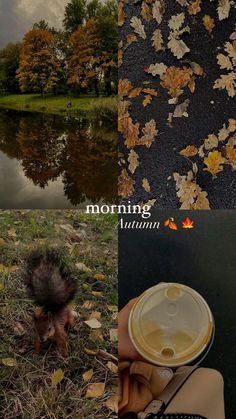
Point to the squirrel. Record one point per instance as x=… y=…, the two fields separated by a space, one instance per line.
x=51 y=285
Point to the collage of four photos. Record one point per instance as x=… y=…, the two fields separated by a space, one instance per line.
x=117 y=209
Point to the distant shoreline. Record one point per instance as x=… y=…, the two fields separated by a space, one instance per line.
x=58 y=104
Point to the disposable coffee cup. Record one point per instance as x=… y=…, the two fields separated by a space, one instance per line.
x=171 y=325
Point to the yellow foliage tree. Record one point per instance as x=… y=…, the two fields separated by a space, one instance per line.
x=40 y=67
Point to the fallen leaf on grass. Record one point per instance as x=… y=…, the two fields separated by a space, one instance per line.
x=113 y=335
x=83 y=268
x=12 y=232
x=19 y=329
x=99 y=277
x=1 y=286
x=112 y=367
x=95 y=390
x=2 y=242
x=93 y=323
x=112 y=404
x=90 y=352
x=88 y=304
x=87 y=375
x=9 y=362
x=57 y=377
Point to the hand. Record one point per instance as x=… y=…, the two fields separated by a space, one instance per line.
x=125 y=346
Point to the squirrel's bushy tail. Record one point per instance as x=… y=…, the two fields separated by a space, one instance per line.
x=49 y=280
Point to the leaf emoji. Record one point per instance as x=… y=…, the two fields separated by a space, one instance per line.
x=112 y=403
x=57 y=377
x=214 y=162
x=88 y=375
x=187 y=223
x=172 y=224
x=9 y=362
x=95 y=390
x=93 y=323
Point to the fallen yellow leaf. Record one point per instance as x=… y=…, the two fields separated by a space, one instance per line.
x=57 y=377
x=95 y=390
x=88 y=375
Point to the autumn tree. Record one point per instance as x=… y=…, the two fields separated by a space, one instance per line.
x=75 y=15
x=40 y=66
x=84 y=64
x=9 y=63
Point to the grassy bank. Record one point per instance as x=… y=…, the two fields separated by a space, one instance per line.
x=57 y=104
x=26 y=388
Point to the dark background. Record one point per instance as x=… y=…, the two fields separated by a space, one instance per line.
x=203 y=258
x=162 y=159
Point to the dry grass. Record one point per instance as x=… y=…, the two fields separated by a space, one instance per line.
x=26 y=390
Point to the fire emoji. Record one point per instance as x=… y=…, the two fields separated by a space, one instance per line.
x=187 y=223
x=170 y=222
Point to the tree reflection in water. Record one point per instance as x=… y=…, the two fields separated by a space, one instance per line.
x=82 y=152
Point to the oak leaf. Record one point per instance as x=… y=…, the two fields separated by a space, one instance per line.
x=149 y=133
x=138 y=27
x=208 y=23
x=146 y=185
x=189 y=151
x=157 y=69
x=157 y=40
x=133 y=161
x=125 y=184
x=214 y=162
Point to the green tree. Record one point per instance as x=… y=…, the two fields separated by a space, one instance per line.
x=75 y=15
x=9 y=63
x=40 y=66
x=107 y=27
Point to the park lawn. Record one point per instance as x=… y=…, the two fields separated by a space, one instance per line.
x=56 y=104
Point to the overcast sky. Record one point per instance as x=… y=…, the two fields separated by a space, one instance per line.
x=17 y=16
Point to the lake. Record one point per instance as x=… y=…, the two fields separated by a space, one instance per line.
x=53 y=161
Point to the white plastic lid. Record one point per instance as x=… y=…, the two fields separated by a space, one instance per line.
x=171 y=324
